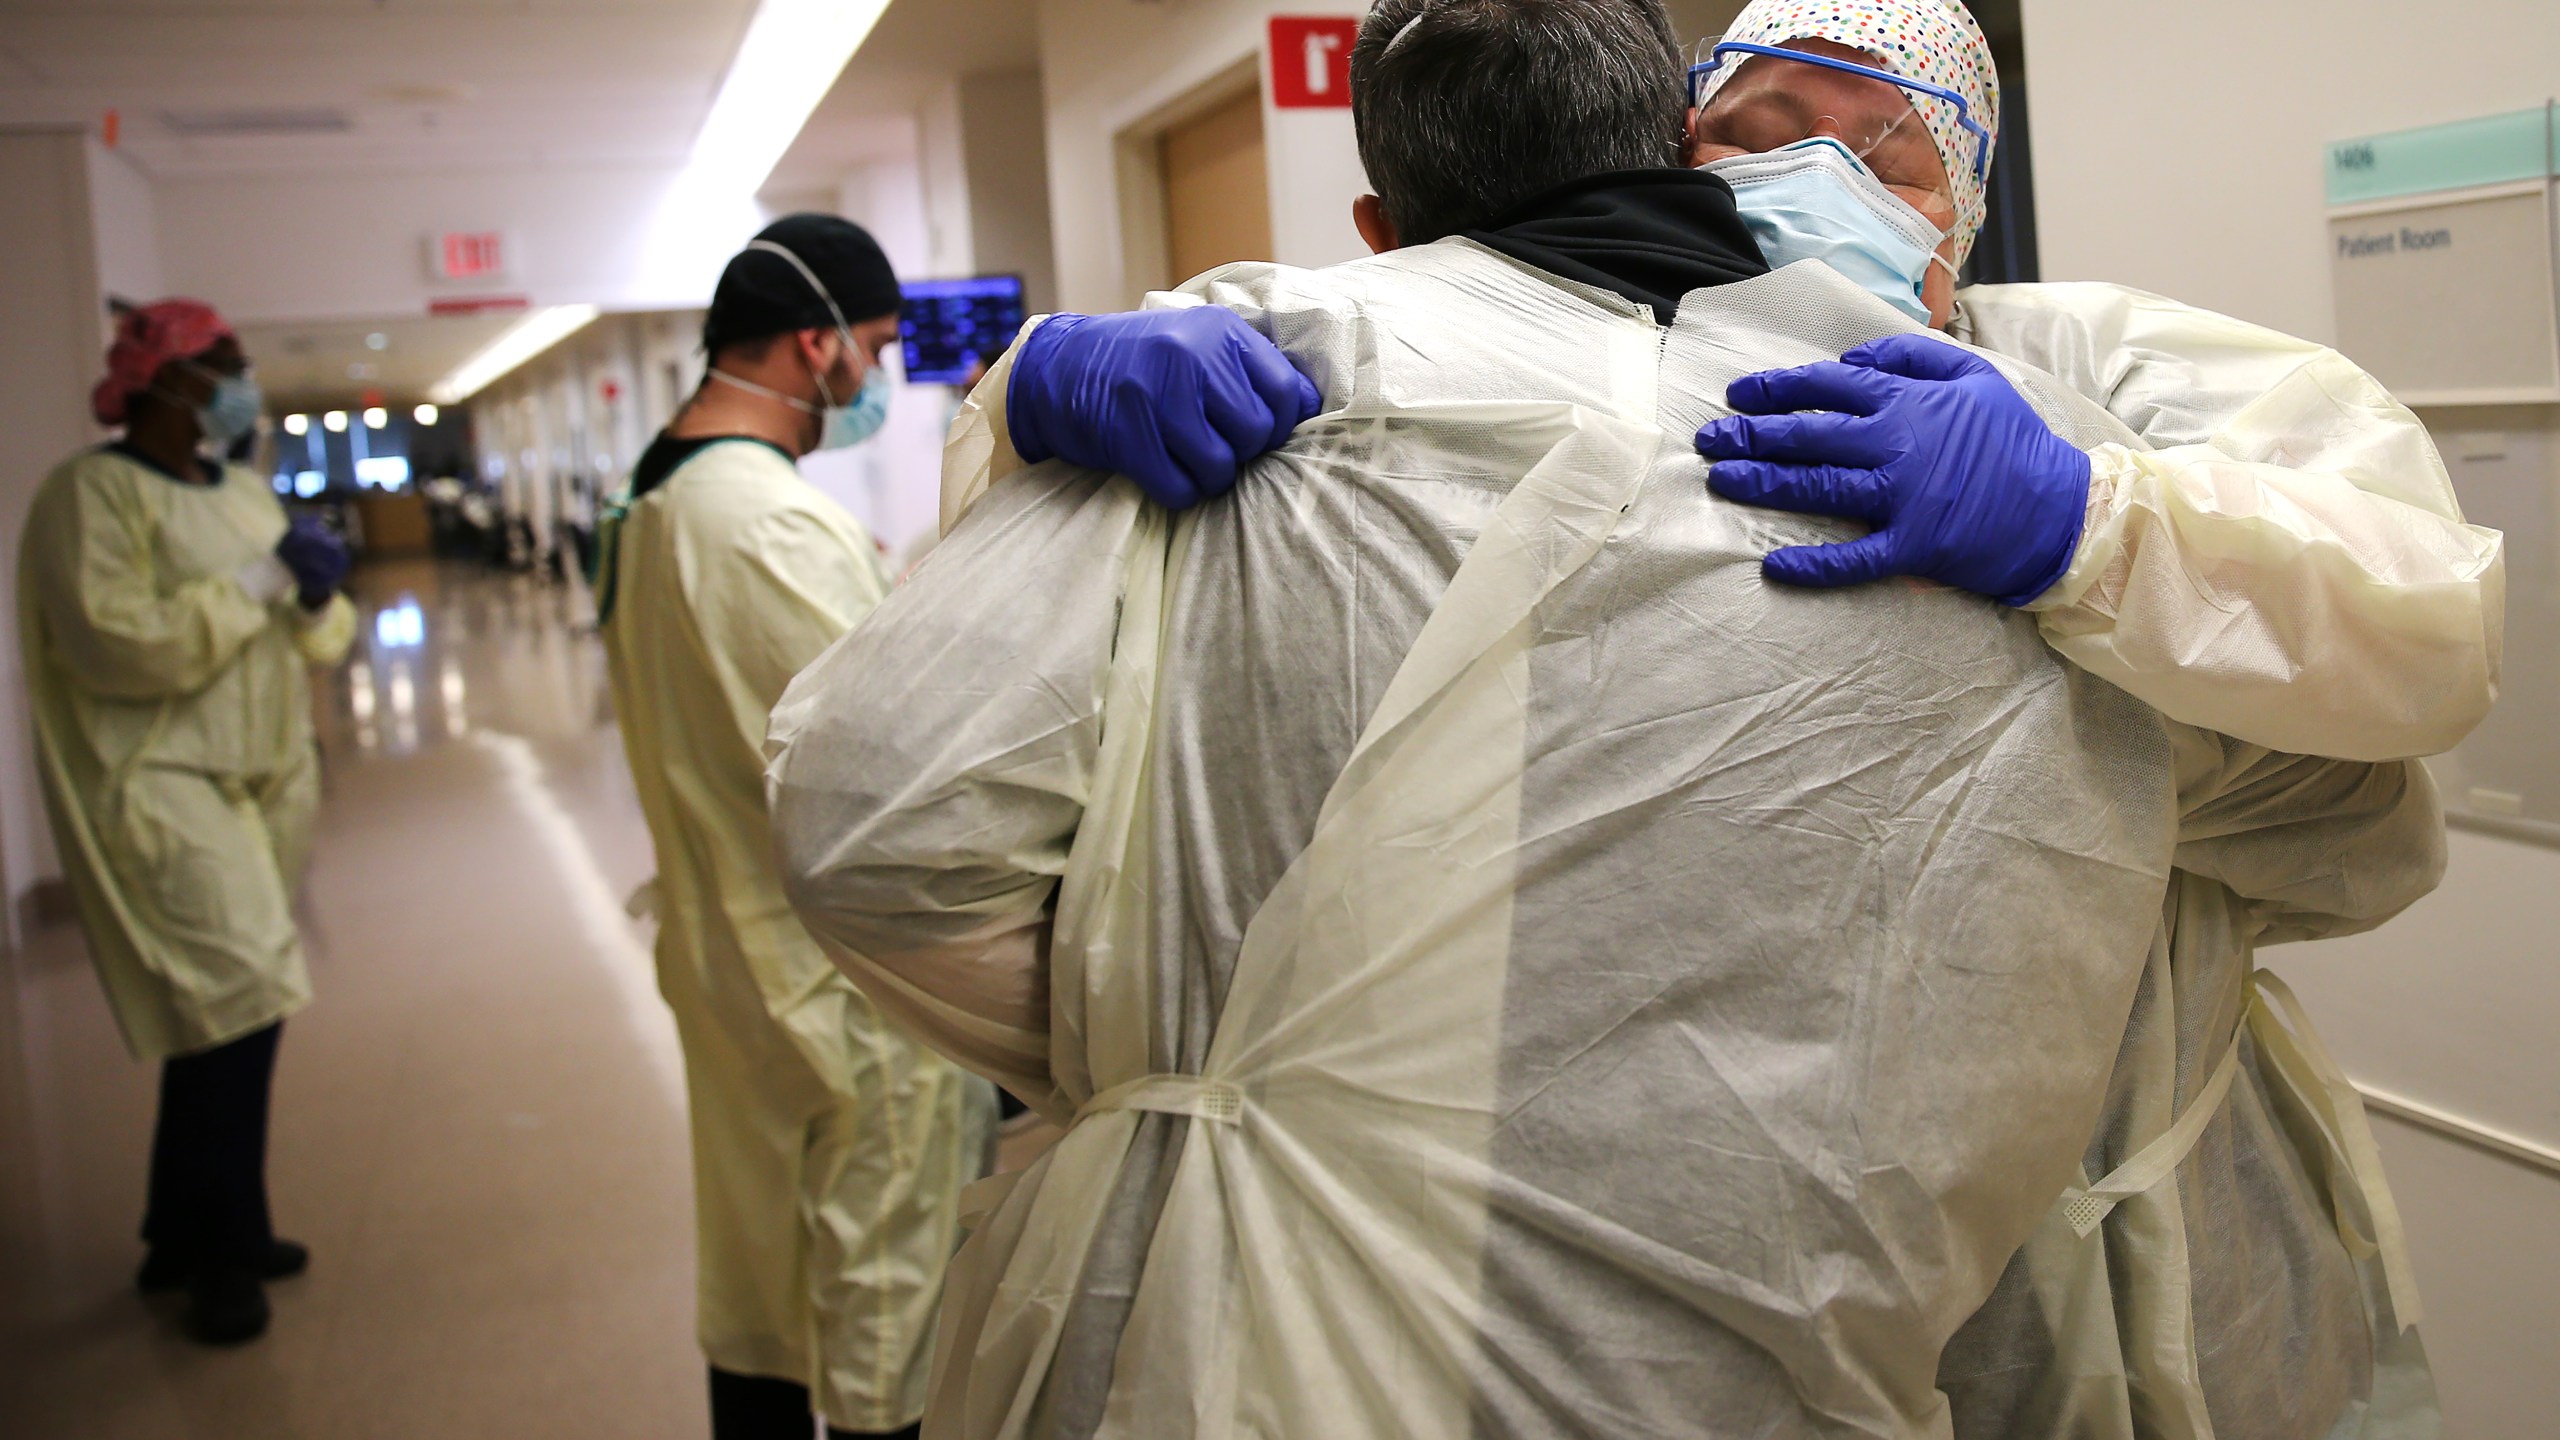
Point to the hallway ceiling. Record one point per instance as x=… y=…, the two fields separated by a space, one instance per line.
x=221 y=87
x=322 y=366
x=918 y=44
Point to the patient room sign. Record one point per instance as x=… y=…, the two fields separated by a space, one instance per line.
x=1311 y=61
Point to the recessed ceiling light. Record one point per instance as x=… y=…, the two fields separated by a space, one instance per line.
x=257 y=120
x=377 y=341
x=788 y=60
x=513 y=346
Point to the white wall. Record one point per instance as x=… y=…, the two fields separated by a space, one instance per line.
x=353 y=245
x=79 y=227
x=124 y=218
x=1005 y=152
x=918 y=209
x=2195 y=168
x=1108 y=67
x=941 y=177
x=53 y=331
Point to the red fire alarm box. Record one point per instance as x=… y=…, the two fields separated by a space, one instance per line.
x=1311 y=61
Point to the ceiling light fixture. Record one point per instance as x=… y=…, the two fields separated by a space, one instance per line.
x=336 y=421
x=515 y=345
x=792 y=53
x=424 y=414
x=297 y=424
x=375 y=417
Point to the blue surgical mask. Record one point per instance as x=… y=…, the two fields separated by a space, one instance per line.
x=1813 y=200
x=850 y=423
x=860 y=418
x=231 y=412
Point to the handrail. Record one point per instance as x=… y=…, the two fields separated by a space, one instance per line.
x=2469 y=1132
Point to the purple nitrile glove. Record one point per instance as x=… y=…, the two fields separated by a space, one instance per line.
x=317 y=557
x=1177 y=400
x=1964 y=483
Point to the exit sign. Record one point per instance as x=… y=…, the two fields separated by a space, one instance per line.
x=1311 y=61
x=468 y=255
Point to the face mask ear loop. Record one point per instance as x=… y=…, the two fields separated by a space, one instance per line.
x=844 y=331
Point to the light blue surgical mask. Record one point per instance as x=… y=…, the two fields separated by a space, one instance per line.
x=860 y=418
x=1813 y=200
x=850 y=423
x=232 y=411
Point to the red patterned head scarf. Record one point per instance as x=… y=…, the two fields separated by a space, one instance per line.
x=147 y=338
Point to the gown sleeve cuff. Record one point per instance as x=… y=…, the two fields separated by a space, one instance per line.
x=2111 y=468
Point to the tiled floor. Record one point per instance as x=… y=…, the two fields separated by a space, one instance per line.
x=478 y=1125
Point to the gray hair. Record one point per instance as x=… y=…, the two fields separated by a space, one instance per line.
x=1465 y=108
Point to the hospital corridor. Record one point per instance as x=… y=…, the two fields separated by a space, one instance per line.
x=484 y=1115
x=1279 y=720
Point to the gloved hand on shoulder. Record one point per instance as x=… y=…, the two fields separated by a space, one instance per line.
x=1964 y=483
x=1177 y=400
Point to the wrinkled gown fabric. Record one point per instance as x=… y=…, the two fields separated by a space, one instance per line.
x=2389 y=606
x=829 y=1147
x=1510 y=970
x=173 y=730
x=2283 y=560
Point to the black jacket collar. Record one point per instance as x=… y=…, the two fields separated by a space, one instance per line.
x=1649 y=235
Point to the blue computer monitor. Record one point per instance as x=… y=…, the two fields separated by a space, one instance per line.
x=948 y=326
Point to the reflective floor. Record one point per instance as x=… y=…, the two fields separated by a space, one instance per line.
x=478 y=1126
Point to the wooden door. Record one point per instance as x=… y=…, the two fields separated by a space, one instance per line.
x=1217 y=194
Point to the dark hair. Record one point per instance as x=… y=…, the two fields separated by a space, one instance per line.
x=1465 y=108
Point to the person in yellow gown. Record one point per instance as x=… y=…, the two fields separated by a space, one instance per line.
x=829 y=1148
x=168 y=611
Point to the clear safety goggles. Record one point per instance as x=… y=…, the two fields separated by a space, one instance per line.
x=1865 y=135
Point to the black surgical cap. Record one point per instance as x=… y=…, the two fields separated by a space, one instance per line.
x=761 y=294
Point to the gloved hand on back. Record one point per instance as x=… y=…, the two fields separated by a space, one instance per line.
x=1177 y=400
x=1964 y=483
x=317 y=557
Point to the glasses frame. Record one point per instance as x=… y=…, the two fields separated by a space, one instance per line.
x=1699 y=72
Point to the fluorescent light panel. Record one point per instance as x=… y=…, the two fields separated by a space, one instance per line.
x=793 y=51
x=517 y=344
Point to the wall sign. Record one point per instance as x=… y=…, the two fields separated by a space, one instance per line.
x=467 y=255
x=2441 y=248
x=1311 y=61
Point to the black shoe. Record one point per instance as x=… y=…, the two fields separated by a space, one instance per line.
x=226 y=1305
x=163 y=1272
x=284 y=1260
